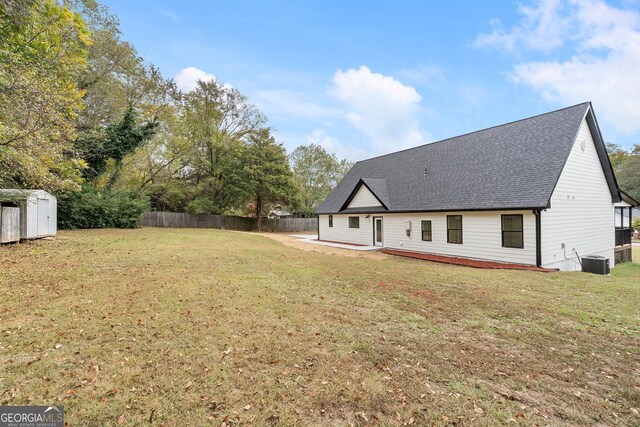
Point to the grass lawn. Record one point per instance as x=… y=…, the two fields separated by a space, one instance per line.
x=208 y=327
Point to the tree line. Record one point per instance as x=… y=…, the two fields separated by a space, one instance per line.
x=626 y=165
x=84 y=117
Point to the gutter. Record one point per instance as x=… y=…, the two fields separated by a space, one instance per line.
x=538 y=215
x=382 y=212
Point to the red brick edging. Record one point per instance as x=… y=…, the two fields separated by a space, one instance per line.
x=466 y=261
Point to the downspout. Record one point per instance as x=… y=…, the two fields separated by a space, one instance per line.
x=538 y=214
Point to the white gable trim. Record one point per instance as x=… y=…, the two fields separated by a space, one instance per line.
x=364 y=199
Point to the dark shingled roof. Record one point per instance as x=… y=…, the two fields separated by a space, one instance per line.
x=512 y=166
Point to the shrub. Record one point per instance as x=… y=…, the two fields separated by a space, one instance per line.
x=93 y=208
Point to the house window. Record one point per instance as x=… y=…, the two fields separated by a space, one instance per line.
x=454 y=229
x=354 y=222
x=512 y=234
x=426 y=231
x=330 y=220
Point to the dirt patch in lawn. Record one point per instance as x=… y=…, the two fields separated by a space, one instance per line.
x=298 y=243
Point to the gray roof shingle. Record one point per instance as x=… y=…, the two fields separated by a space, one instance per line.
x=511 y=166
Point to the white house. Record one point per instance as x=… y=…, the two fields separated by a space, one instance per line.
x=539 y=191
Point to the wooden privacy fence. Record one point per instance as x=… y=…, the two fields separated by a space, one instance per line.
x=184 y=220
x=9 y=224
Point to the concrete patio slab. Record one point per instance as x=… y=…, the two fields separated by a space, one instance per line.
x=313 y=239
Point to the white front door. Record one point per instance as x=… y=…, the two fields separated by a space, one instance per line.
x=43 y=217
x=377 y=231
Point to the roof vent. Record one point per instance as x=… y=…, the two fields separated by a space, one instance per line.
x=426 y=171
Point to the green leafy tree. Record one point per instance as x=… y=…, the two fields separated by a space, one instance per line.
x=316 y=173
x=118 y=140
x=115 y=79
x=101 y=208
x=628 y=175
x=269 y=179
x=96 y=205
x=115 y=76
x=17 y=11
x=43 y=52
x=626 y=165
x=217 y=124
x=617 y=155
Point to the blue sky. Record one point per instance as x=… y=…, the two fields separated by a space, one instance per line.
x=364 y=78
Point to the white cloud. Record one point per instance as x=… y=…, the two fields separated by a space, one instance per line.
x=333 y=145
x=289 y=104
x=386 y=110
x=543 y=27
x=610 y=83
x=187 y=78
x=603 y=67
x=429 y=76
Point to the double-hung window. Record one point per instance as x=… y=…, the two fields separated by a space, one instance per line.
x=454 y=229
x=512 y=233
x=426 y=231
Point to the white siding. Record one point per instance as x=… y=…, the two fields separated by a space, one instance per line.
x=481 y=236
x=364 y=199
x=29 y=215
x=581 y=214
x=53 y=216
x=30 y=226
x=340 y=232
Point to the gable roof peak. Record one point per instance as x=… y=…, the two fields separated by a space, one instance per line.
x=377 y=187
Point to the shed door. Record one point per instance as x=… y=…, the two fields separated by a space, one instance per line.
x=43 y=217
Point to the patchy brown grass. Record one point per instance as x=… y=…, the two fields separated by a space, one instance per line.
x=201 y=327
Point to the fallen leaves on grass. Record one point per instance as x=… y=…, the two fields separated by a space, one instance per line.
x=151 y=311
x=363 y=416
